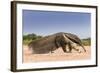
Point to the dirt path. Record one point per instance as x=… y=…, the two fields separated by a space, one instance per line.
x=58 y=55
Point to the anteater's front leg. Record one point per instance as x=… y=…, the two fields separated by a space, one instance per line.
x=64 y=48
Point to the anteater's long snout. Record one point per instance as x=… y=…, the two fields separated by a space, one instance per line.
x=84 y=48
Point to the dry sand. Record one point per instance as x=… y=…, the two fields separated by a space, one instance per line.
x=58 y=55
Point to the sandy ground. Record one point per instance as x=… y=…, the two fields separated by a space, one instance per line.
x=58 y=55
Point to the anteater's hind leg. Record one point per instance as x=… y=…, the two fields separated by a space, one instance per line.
x=52 y=51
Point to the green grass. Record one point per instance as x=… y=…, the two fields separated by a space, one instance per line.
x=86 y=42
x=26 y=42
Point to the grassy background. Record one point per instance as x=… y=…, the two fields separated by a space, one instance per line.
x=28 y=38
x=86 y=42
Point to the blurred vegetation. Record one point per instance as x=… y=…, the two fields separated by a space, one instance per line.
x=28 y=38
x=86 y=42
